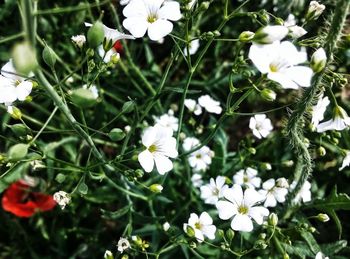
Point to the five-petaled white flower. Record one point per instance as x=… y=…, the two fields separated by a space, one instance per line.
x=304 y=194
x=160 y=145
x=241 y=207
x=213 y=191
x=152 y=16
x=279 y=61
x=123 y=244
x=346 y=161
x=340 y=121
x=201 y=159
x=247 y=178
x=209 y=104
x=260 y=125
x=319 y=109
x=273 y=192
x=202 y=226
x=192 y=106
x=62 y=198
x=168 y=120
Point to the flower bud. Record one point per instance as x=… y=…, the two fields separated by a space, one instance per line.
x=116 y=134
x=17 y=152
x=108 y=255
x=285 y=256
x=19 y=130
x=166 y=226
x=282 y=183
x=262 y=236
x=314 y=11
x=323 y=217
x=115 y=58
x=266 y=166
x=269 y=34
x=246 y=36
x=156 y=188
x=204 y=6
x=312 y=229
x=139 y=173
x=321 y=151
x=260 y=244
x=221 y=233
x=95 y=34
x=49 y=56
x=190 y=231
x=128 y=107
x=230 y=234
x=273 y=219
x=252 y=150
x=14 y=112
x=268 y=95
x=318 y=60
x=24 y=58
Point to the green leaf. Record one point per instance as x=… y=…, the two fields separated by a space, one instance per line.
x=310 y=240
x=333 y=248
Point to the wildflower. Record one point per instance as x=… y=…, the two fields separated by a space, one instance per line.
x=296 y=31
x=209 y=104
x=201 y=159
x=241 y=207
x=319 y=109
x=318 y=60
x=273 y=193
x=260 y=125
x=168 y=120
x=193 y=106
x=196 y=180
x=194 y=46
x=270 y=34
x=320 y=255
x=279 y=61
x=314 y=11
x=160 y=145
x=20 y=201
x=202 y=226
x=304 y=193
x=213 y=191
x=339 y=121
x=248 y=178
x=346 y=161
x=152 y=16
x=79 y=40
x=123 y=244
x=190 y=143
x=166 y=226
x=62 y=198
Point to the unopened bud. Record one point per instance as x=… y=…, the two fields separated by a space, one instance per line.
x=156 y=188
x=166 y=226
x=139 y=173
x=246 y=36
x=266 y=166
x=252 y=150
x=312 y=229
x=49 y=56
x=95 y=34
x=260 y=244
x=24 y=58
x=17 y=152
x=323 y=217
x=285 y=256
x=273 y=219
x=108 y=255
x=204 y=6
x=190 y=231
x=230 y=234
x=279 y=21
x=321 y=151
x=314 y=11
x=14 y=112
x=318 y=60
x=268 y=95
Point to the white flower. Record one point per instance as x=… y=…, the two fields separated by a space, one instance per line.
x=201 y=159
x=209 y=104
x=346 y=161
x=93 y=89
x=273 y=193
x=168 y=120
x=213 y=191
x=123 y=244
x=193 y=106
x=62 y=198
x=270 y=34
x=79 y=40
x=320 y=255
x=315 y=10
x=108 y=56
x=160 y=145
x=194 y=46
x=112 y=35
x=304 y=193
x=260 y=125
x=242 y=208
x=166 y=226
x=202 y=226
x=279 y=61
x=152 y=16
x=318 y=60
x=247 y=178
x=339 y=121
x=190 y=143
x=196 y=180
x=319 y=109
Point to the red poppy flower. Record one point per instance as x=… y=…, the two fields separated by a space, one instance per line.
x=20 y=201
x=118 y=47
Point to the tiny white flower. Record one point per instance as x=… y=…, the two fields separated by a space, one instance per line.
x=79 y=40
x=166 y=226
x=209 y=104
x=279 y=61
x=152 y=16
x=160 y=145
x=318 y=60
x=304 y=193
x=260 y=125
x=93 y=89
x=168 y=120
x=109 y=55
x=196 y=180
x=194 y=46
x=320 y=255
x=202 y=226
x=241 y=207
x=123 y=244
x=62 y=198
x=193 y=106
x=319 y=109
x=270 y=34
x=340 y=121
x=213 y=191
x=247 y=178
x=112 y=35
x=315 y=10
x=346 y=161
x=273 y=193
x=201 y=159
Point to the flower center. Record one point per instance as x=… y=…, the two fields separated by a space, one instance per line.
x=198 y=225
x=152 y=148
x=245 y=179
x=152 y=18
x=215 y=191
x=273 y=67
x=198 y=156
x=243 y=210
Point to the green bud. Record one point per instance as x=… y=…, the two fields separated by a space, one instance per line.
x=139 y=173
x=91 y=65
x=95 y=34
x=246 y=36
x=268 y=95
x=116 y=134
x=266 y=166
x=204 y=6
x=288 y=163
x=264 y=17
x=221 y=233
x=285 y=256
x=321 y=151
x=216 y=33
x=193 y=245
x=230 y=234
x=260 y=244
x=90 y=52
x=19 y=130
x=312 y=229
x=128 y=107
x=279 y=21
x=323 y=217
x=252 y=150
x=108 y=255
x=262 y=236
x=49 y=56
x=115 y=58
x=60 y=178
x=190 y=231
x=17 y=152
x=273 y=219
x=125 y=256
x=24 y=58
x=156 y=188
x=83 y=97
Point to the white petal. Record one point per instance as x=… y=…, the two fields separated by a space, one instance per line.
x=226 y=209
x=258 y=213
x=199 y=235
x=300 y=74
x=149 y=137
x=252 y=197
x=159 y=29
x=163 y=163
x=283 y=79
x=267 y=185
x=23 y=90
x=270 y=201
x=136 y=26
x=262 y=55
x=193 y=219
x=234 y=194
x=209 y=231
x=242 y=223
x=205 y=219
x=170 y=11
x=135 y=9
x=146 y=160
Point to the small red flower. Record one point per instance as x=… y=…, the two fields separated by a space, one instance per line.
x=118 y=47
x=20 y=201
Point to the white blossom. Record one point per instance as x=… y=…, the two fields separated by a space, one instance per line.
x=319 y=109
x=192 y=106
x=315 y=10
x=247 y=178
x=279 y=61
x=260 y=125
x=296 y=31
x=166 y=226
x=189 y=143
x=213 y=191
x=202 y=226
x=123 y=244
x=346 y=161
x=340 y=121
x=168 y=120
x=209 y=104
x=304 y=194
x=93 y=89
x=62 y=198
x=318 y=60
x=193 y=47
x=241 y=207
x=160 y=145
x=201 y=159
x=273 y=193
x=79 y=40
x=196 y=180
x=107 y=255
x=152 y=16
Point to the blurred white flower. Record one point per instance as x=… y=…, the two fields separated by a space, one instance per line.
x=346 y=161
x=190 y=143
x=79 y=40
x=213 y=191
x=319 y=109
x=194 y=46
x=304 y=193
x=320 y=255
x=340 y=121
x=260 y=125
x=93 y=89
x=315 y=10
x=160 y=145
x=270 y=34
x=192 y=106
x=201 y=159
x=279 y=61
x=166 y=226
x=152 y=16
x=242 y=208
x=112 y=35
x=168 y=120
x=62 y=198
x=123 y=244
x=196 y=180
x=209 y=104
x=202 y=226
x=296 y=31
x=247 y=178
x=273 y=193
